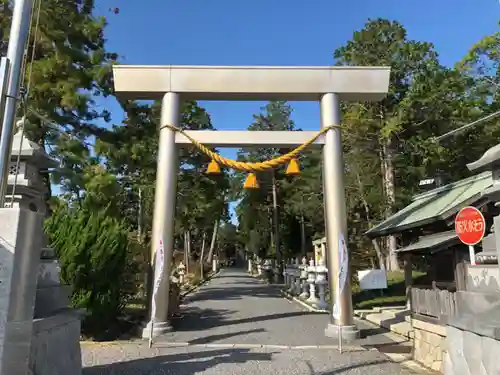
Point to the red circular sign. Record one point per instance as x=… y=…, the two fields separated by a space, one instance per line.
x=470 y=225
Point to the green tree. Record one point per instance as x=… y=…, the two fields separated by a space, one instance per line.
x=261 y=211
x=71 y=67
x=130 y=150
x=395 y=130
x=89 y=245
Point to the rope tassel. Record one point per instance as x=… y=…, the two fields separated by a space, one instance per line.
x=251 y=182
x=213 y=168
x=293 y=168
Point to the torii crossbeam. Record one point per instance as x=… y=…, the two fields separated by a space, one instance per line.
x=328 y=85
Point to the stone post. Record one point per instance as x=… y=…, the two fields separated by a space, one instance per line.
x=286 y=277
x=303 y=278
x=55 y=337
x=182 y=272
x=20 y=245
x=311 y=280
x=321 y=282
x=214 y=265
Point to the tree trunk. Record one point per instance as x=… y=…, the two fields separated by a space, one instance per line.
x=303 y=248
x=380 y=255
x=186 y=250
x=372 y=262
x=390 y=196
x=203 y=240
x=139 y=216
x=271 y=233
x=378 y=251
x=212 y=242
x=189 y=246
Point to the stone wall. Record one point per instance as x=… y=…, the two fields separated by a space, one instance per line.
x=471 y=354
x=55 y=345
x=483 y=278
x=429 y=345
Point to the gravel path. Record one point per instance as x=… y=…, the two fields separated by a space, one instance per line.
x=236 y=324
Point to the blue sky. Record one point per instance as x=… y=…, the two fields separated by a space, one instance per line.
x=278 y=32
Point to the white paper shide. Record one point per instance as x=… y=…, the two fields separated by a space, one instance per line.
x=159 y=266
x=342 y=274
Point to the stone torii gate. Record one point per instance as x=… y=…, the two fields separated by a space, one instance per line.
x=328 y=85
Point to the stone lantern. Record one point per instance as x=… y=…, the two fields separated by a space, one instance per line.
x=55 y=346
x=303 y=279
x=26 y=187
x=311 y=280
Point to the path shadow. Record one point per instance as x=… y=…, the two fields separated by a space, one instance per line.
x=212 y=338
x=226 y=293
x=179 y=364
x=195 y=319
x=375 y=338
x=399 y=318
x=237 y=284
x=391 y=348
x=367 y=332
x=233 y=276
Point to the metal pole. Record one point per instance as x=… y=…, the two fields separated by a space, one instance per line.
x=335 y=217
x=4 y=77
x=164 y=205
x=17 y=44
x=467 y=126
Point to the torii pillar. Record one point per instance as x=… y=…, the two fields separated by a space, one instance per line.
x=328 y=85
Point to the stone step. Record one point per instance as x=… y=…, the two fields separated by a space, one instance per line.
x=397 y=321
x=51 y=299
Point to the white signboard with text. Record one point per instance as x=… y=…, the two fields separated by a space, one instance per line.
x=372 y=279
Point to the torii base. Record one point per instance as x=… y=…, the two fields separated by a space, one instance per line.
x=348 y=334
x=159 y=328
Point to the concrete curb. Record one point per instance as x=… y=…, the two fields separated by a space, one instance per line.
x=347 y=348
x=302 y=303
x=166 y=344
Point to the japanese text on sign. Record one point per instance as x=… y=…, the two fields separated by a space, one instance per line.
x=469 y=226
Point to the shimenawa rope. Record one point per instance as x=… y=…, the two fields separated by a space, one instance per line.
x=255 y=166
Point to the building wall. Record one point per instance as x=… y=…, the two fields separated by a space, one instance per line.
x=429 y=345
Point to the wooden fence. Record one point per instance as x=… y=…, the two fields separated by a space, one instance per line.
x=433 y=303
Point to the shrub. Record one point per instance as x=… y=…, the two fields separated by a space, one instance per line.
x=95 y=258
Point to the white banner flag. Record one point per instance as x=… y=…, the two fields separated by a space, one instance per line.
x=159 y=266
x=343 y=263
x=342 y=275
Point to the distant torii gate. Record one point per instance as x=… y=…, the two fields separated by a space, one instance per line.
x=328 y=85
